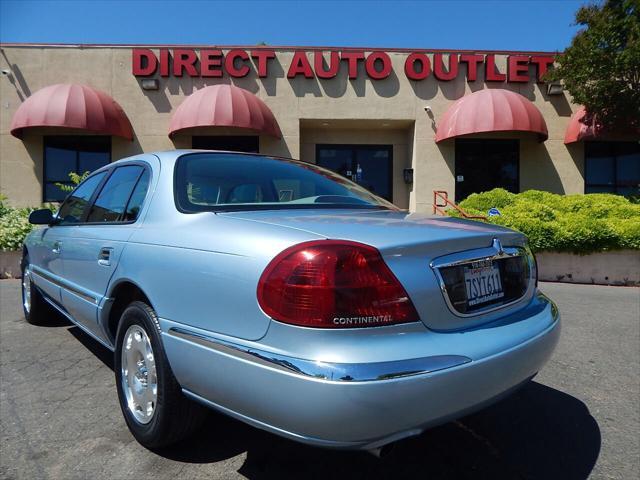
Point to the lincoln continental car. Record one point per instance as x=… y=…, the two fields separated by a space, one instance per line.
x=286 y=296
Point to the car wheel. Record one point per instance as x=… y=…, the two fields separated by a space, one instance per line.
x=36 y=309
x=154 y=407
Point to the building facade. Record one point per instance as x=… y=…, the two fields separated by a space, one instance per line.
x=403 y=123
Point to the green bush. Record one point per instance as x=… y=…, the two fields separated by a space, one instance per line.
x=564 y=223
x=14 y=222
x=14 y=225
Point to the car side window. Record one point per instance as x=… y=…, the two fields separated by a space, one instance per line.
x=137 y=197
x=74 y=206
x=112 y=200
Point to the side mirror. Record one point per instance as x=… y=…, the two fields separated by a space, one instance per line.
x=44 y=216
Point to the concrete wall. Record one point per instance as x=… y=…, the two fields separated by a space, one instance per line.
x=396 y=99
x=605 y=268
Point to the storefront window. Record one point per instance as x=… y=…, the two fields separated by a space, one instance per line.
x=612 y=167
x=66 y=154
x=482 y=165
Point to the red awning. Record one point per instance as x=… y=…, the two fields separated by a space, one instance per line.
x=491 y=110
x=578 y=130
x=224 y=106
x=74 y=106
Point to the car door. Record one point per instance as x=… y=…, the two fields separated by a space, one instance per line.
x=45 y=253
x=94 y=246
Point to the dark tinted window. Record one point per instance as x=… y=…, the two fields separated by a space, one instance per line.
x=612 y=167
x=71 y=153
x=236 y=143
x=227 y=181
x=483 y=164
x=74 y=206
x=137 y=197
x=368 y=165
x=114 y=196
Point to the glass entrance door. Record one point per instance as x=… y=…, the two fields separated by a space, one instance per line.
x=368 y=165
x=483 y=165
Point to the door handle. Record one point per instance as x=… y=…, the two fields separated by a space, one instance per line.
x=104 y=257
x=57 y=246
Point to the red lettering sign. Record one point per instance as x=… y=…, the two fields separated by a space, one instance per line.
x=184 y=60
x=472 y=62
x=438 y=67
x=518 y=69
x=412 y=61
x=300 y=65
x=143 y=62
x=491 y=72
x=263 y=57
x=165 y=59
x=334 y=65
x=211 y=63
x=377 y=64
x=542 y=64
x=370 y=65
x=230 y=63
x=352 y=58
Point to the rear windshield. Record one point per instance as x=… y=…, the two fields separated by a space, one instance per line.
x=231 y=181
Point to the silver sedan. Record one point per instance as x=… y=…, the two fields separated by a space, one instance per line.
x=286 y=296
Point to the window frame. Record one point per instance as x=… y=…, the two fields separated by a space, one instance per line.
x=47 y=138
x=109 y=170
x=613 y=151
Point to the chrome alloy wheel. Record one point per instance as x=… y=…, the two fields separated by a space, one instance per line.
x=138 y=374
x=26 y=289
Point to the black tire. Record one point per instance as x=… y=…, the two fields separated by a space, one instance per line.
x=174 y=416
x=37 y=311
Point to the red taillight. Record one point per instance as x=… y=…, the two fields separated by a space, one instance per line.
x=333 y=284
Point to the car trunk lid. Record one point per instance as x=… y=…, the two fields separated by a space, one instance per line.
x=413 y=245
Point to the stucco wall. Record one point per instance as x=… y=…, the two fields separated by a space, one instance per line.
x=550 y=165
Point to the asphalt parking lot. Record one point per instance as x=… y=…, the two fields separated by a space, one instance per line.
x=579 y=418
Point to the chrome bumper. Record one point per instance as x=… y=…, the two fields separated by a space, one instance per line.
x=337 y=372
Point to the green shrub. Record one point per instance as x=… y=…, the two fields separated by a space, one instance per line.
x=14 y=225
x=570 y=223
x=14 y=222
x=498 y=198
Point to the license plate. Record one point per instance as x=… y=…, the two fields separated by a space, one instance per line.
x=483 y=283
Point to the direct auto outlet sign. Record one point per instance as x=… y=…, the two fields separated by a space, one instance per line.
x=326 y=64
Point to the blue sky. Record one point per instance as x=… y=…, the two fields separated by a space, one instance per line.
x=543 y=25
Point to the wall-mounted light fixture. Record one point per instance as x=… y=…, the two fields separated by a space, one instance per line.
x=150 y=84
x=555 y=88
x=407 y=174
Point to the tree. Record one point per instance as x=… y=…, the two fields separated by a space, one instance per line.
x=601 y=67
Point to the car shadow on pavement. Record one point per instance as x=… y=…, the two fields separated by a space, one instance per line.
x=537 y=432
x=101 y=352
x=54 y=320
